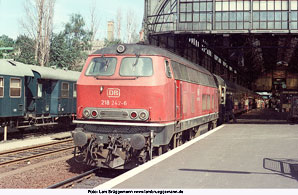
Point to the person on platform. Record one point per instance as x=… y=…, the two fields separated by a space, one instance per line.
x=230 y=108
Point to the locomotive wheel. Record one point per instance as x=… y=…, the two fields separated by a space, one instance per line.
x=163 y=149
x=177 y=140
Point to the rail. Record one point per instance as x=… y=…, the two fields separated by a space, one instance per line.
x=73 y=179
x=31 y=152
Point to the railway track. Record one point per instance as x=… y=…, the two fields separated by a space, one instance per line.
x=32 y=152
x=70 y=182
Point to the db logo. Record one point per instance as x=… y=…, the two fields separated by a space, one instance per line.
x=113 y=92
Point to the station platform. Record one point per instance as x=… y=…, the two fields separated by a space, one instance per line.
x=232 y=156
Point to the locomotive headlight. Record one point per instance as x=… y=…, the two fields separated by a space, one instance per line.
x=143 y=115
x=86 y=113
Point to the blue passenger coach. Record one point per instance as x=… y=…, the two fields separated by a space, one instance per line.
x=55 y=92
x=12 y=91
x=36 y=96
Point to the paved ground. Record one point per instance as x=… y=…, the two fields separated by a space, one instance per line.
x=232 y=157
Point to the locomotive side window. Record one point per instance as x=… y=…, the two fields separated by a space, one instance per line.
x=15 y=87
x=168 y=69
x=136 y=67
x=101 y=67
x=176 y=69
x=1 y=87
x=208 y=102
x=204 y=103
x=184 y=73
x=64 y=90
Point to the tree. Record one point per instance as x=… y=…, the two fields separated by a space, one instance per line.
x=26 y=49
x=60 y=54
x=108 y=43
x=118 y=23
x=131 y=26
x=94 y=21
x=69 y=47
x=6 y=41
x=39 y=25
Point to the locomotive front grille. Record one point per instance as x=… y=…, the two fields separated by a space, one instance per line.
x=113 y=114
x=108 y=129
x=116 y=114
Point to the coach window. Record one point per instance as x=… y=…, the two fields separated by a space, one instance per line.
x=74 y=90
x=101 y=67
x=136 y=67
x=64 y=90
x=39 y=90
x=1 y=87
x=168 y=69
x=15 y=87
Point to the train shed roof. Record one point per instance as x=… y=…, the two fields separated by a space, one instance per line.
x=13 y=68
x=56 y=74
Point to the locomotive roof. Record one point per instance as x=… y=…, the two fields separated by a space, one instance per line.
x=13 y=68
x=56 y=74
x=139 y=49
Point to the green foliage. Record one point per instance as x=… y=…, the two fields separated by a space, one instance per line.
x=5 y=41
x=68 y=47
x=60 y=54
x=26 y=48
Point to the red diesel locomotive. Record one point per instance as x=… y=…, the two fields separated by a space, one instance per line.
x=138 y=101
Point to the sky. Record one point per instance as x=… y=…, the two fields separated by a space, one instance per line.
x=12 y=12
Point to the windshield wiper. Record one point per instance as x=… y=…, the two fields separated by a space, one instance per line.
x=136 y=62
x=106 y=62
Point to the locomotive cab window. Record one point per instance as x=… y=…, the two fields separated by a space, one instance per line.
x=1 y=87
x=64 y=90
x=15 y=87
x=101 y=66
x=136 y=67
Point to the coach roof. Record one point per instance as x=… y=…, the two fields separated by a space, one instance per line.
x=56 y=74
x=139 y=49
x=13 y=68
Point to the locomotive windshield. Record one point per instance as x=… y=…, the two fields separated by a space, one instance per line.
x=136 y=67
x=101 y=67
